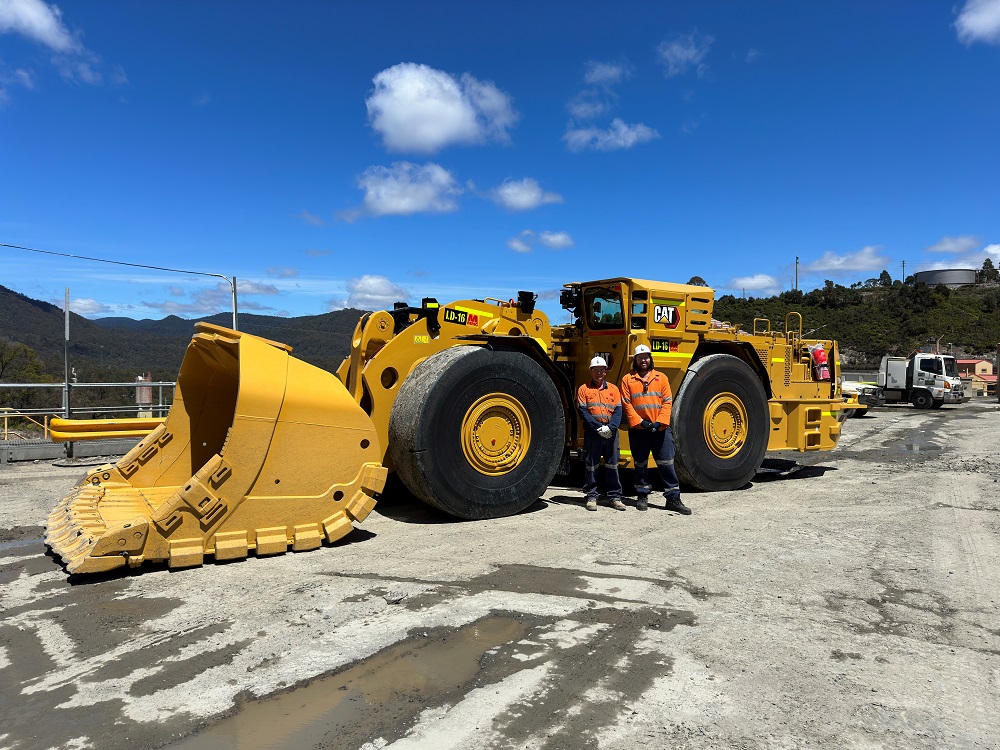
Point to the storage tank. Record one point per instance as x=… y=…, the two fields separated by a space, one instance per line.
x=950 y=277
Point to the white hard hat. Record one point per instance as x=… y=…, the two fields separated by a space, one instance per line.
x=598 y=362
x=642 y=349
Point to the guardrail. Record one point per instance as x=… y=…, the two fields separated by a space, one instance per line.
x=65 y=423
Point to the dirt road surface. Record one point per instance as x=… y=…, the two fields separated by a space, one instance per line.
x=851 y=604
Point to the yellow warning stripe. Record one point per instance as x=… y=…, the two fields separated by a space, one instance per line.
x=474 y=312
x=673 y=355
x=777 y=360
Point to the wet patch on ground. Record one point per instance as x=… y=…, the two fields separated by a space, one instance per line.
x=382 y=699
x=908 y=612
x=19 y=533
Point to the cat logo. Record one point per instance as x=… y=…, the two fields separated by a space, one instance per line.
x=666 y=314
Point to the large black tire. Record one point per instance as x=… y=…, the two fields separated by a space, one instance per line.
x=720 y=424
x=922 y=399
x=449 y=409
x=937 y=404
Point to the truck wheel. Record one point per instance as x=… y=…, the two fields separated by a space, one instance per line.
x=922 y=400
x=477 y=433
x=720 y=424
x=937 y=404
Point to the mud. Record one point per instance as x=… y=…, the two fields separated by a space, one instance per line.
x=844 y=599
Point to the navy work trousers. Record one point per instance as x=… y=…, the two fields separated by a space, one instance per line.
x=594 y=449
x=661 y=445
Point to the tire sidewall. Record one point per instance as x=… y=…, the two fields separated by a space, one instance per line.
x=457 y=487
x=697 y=465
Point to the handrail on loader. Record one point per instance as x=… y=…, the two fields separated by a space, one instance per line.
x=72 y=430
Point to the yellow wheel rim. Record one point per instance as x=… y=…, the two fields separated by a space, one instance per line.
x=725 y=425
x=496 y=434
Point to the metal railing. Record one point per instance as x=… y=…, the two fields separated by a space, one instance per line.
x=40 y=416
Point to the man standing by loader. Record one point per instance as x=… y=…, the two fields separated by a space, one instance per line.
x=647 y=401
x=600 y=405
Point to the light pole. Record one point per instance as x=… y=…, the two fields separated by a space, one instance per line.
x=230 y=281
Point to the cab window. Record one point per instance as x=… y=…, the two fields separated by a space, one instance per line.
x=931 y=365
x=950 y=367
x=604 y=308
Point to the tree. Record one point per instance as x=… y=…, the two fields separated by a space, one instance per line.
x=884 y=279
x=18 y=362
x=697 y=281
x=989 y=272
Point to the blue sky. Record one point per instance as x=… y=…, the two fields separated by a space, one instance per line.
x=333 y=154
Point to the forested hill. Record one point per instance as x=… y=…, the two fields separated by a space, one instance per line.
x=874 y=319
x=119 y=349
x=868 y=320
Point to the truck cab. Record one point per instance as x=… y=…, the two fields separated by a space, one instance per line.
x=928 y=381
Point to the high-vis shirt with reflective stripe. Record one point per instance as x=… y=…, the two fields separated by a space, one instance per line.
x=646 y=399
x=599 y=404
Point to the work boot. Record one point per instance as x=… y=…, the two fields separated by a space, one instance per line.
x=591 y=503
x=617 y=504
x=674 y=503
x=641 y=503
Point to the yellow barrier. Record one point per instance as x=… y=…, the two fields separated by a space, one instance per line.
x=72 y=430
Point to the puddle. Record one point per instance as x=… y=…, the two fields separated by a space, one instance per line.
x=377 y=697
x=920 y=446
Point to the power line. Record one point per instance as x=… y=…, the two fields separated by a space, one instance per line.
x=230 y=281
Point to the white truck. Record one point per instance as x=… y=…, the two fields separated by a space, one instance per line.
x=928 y=381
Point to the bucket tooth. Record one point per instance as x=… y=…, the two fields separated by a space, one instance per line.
x=260 y=452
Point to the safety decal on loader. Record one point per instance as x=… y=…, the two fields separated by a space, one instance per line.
x=462 y=317
x=662 y=345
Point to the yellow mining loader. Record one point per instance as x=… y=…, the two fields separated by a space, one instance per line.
x=471 y=404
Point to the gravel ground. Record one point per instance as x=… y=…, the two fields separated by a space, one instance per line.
x=852 y=603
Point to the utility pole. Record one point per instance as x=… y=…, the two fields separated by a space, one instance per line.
x=66 y=402
x=904 y=272
x=796 y=273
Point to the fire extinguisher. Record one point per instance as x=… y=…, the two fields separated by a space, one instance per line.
x=821 y=371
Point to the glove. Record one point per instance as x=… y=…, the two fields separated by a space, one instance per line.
x=646 y=424
x=604 y=431
x=654 y=426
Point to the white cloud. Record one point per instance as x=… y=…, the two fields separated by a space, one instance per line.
x=962 y=244
x=620 y=135
x=600 y=98
x=524 y=242
x=761 y=282
x=865 y=259
x=979 y=21
x=521 y=243
x=523 y=195
x=405 y=188
x=211 y=300
x=590 y=103
x=556 y=240
x=309 y=218
x=680 y=51
x=282 y=272
x=85 y=305
x=606 y=74
x=752 y=54
x=417 y=108
x=37 y=21
x=176 y=291
x=371 y=292
x=253 y=287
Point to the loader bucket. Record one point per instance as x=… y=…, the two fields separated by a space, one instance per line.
x=260 y=452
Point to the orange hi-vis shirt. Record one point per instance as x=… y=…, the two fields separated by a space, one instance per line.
x=600 y=403
x=647 y=399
